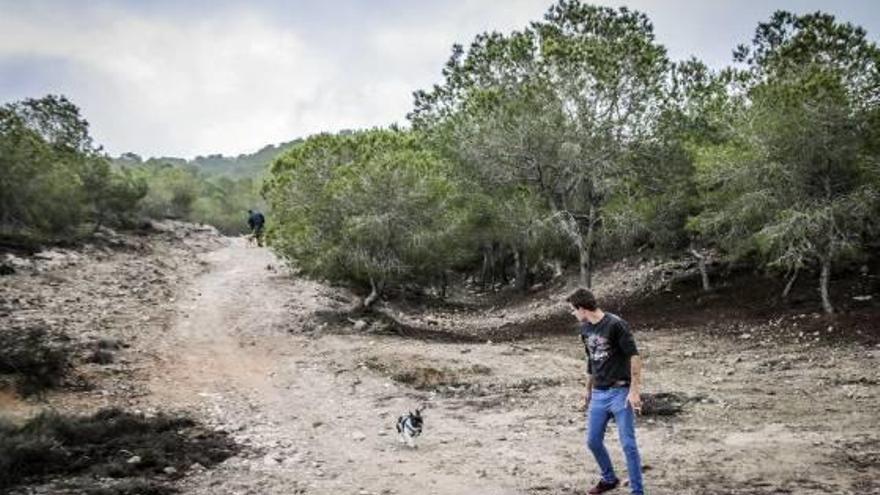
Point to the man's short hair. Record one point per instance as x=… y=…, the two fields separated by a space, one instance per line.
x=582 y=299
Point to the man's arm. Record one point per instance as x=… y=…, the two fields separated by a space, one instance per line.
x=589 y=393
x=635 y=386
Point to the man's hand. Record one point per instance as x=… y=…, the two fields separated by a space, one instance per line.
x=635 y=400
x=587 y=397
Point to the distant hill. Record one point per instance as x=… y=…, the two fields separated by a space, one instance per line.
x=244 y=165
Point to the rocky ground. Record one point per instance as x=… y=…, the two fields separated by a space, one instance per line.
x=769 y=403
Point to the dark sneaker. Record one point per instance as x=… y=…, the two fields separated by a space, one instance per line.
x=603 y=487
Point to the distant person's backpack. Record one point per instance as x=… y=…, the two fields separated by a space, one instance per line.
x=259 y=219
x=256 y=220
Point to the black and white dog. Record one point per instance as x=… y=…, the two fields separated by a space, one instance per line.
x=409 y=426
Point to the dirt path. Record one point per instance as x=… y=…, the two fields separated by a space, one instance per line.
x=318 y=410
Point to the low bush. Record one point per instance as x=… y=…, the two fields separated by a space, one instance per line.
x=109 y=444
x=34 y=359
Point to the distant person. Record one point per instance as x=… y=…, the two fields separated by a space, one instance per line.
x=256 y=221
x=614 y=376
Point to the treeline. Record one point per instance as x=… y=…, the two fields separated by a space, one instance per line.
x=577 y=140
x=244 y=165
x=187 y=192
x=57 y=184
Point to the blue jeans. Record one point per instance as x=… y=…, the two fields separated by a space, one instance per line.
x=603 y=405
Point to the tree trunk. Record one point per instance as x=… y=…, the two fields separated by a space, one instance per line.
x=444 y=284
x=583 y=259
x=704 y=274
x=488 y=266
x=522 y=270
x=824 y=278
x=375 y=292
x=790 y=284
x=557 y=269
x=587 y=254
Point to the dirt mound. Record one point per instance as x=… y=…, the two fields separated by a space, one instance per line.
x=91 y=304
x=649 y=293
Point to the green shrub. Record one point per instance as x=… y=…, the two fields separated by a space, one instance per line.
x=52 y=444
x=34 y=358
x=54 y=179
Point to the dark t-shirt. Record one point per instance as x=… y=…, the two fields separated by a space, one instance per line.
x=256 y=220
x=609 y=344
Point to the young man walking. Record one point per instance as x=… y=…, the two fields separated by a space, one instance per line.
x=255 y=221
x=614 y=373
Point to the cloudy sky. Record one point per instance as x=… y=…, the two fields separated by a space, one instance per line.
x=182 y=78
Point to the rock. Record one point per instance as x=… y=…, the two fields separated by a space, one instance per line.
x=134 y=460
x=169 y=470
x=358 y=436
x=272 y=459
x=17 y=263
x=745 y=336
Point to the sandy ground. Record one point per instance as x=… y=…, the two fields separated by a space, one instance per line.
x=316 y=408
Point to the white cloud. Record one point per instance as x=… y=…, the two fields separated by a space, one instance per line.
x=227 y=84
x=173 y=79
x=234 y=79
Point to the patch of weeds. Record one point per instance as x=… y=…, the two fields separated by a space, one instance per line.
x=133 y=487
x=34 y=358
x=372 y=363
x=100 y=356
x=531 y=384
x=665 y=403
x=862 y=455
x=109 y=444
x=427 y=378
x=479 y=369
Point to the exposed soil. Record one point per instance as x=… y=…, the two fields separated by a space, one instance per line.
x=757 y=403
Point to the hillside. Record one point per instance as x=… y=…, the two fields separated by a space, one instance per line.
x=243 y=165
x=192 y=322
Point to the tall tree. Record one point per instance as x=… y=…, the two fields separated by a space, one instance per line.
x=567 y=97
x=797 y=179
x=54 y=178
x=372 y=208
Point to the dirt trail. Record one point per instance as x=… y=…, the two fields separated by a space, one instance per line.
x=319 y=427
x=318 y=410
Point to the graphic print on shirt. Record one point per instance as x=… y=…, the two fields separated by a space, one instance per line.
x=599 y=347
